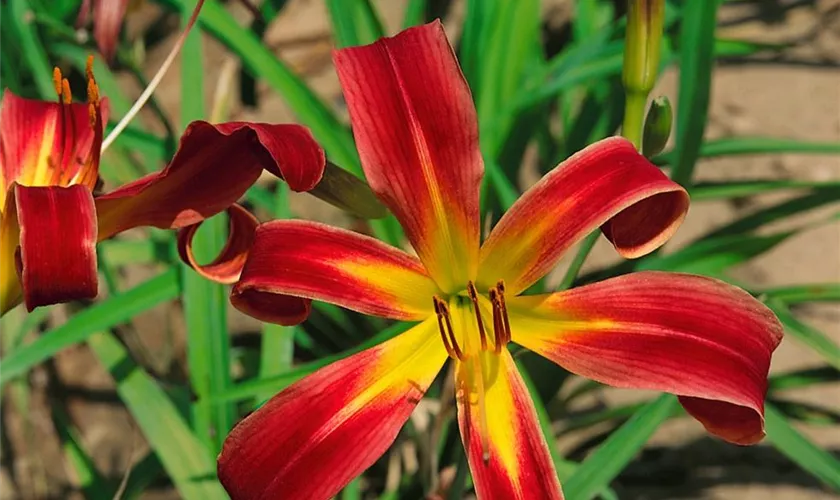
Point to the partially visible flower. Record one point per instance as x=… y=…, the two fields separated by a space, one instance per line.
x=50 y=219
x=417 y=135
x=108 y=18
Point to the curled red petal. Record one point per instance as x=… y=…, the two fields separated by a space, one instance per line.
x=57 y=256
x=228 y=265
x=213 y=167
x=313 y=438
x=696 y=337
x=315 y=261
x=417 y=135
x=608 y=184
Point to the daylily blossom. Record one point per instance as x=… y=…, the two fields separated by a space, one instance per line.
x=416 y=132
x=49 y=164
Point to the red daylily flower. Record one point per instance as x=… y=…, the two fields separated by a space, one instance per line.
x=416 y=131
x=50 y=219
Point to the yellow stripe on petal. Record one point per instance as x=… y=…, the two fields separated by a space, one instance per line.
x=506 y=450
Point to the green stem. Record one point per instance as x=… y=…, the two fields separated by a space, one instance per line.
x=634 y=117
x=582 y=253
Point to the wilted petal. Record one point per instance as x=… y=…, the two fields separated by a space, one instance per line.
x=417 y=135
x=108 y=18
x=608 y=184
x=313 y=438
x=57 y=260
x=308 y=260
x=515 y=462
x=228 y=265
x=213 y=167
x=697 y=337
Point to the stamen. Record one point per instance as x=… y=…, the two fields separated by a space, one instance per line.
x=57 y=82
x=445 y=326
x=501 y=287
x=474 y=298
x=498 y=323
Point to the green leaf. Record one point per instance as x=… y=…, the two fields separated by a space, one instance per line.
x=20 y=19
x=804 y=378
x=809 y=336
x=816 y=292
x=697 y=35
x=734 y=189
x=205 y=302
x=355 y=22
x=415 y=13
x=607 y=462
x=187 y=462
x=103 y=315
x=754 y=145
x=92 y=483
x=791 y=443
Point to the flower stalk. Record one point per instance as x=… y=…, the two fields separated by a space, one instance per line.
x=641 y=62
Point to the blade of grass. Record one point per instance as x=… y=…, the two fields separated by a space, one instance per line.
x=415 y=13
x=724 y=190
x=103 y=315
x=34 y=55
x=91 y=482
x=804 y=378
x=205 y=302
x=697 y=34
x=816 y=292
x=791 y=443
x=186 y=460
x=809 y=336
x=754 y=145
x=602 y=466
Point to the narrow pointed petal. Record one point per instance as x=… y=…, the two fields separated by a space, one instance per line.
x=313 y=438
x=516 y=463
x=608 y=184
x=292 y=260
x=227 y=267
x=699 y=338
x=213 y=167
x=47 y=144
x=108 y=18
x=417 y=134
x=57 y=259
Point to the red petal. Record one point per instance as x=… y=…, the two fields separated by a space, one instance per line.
x=212 y=168
x=417 y=135
x=313 y=438
x=608 y=184
x=517 y=464
x=688 y=335
x=316 y=261
x=47 y=144
x=57 y=260
x=108 y=17
x=228 y=265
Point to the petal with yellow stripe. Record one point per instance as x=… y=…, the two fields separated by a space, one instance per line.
x=702 y=339
x=313 y=438
x=417 y=135
x=506 y=449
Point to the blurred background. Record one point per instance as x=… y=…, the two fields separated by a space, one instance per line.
x=110 y=404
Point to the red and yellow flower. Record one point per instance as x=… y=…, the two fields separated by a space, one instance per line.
x=415 y=127
x=51 y=220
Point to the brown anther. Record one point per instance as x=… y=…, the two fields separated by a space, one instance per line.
x=446 y=332
x=473 y=293
x=57 y=82
x=500 y=286
x=498 y=324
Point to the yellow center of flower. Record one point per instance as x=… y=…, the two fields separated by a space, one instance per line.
x=460 y=319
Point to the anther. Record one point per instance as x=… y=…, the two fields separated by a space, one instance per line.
x=57 y=81
x=446 y=332
x=66 y=96
x=473 y=293
x=500 y=286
